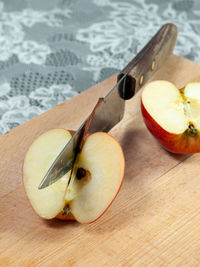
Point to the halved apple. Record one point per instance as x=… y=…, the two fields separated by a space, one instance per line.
x=172 y=115
x=96 y=178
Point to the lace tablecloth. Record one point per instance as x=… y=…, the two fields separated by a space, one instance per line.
x=50 y=50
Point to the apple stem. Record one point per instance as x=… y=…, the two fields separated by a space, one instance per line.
x=66 y=210
x=191 y=131
x=80 y=173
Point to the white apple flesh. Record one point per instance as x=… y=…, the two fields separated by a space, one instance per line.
x=96 y=179
x=173 y=115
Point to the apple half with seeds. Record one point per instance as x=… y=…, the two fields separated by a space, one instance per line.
x=96 y=178
x=172 y=115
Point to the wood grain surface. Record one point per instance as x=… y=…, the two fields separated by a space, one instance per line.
x=154 y=221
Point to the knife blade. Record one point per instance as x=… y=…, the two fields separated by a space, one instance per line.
x=110 y=109
x=104 y=107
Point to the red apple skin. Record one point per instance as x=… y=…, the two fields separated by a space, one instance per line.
x=68 y=217
x=176 y=143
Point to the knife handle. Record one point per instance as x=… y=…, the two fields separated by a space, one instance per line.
x=148 y=61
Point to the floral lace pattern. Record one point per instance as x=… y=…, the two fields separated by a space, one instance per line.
x=12 y=34
x=52 y=50
x=129 y=26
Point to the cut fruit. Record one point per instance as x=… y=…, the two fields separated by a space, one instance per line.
x=96 y=179
x=49 y=201
x=173 y=115
x=103 y=160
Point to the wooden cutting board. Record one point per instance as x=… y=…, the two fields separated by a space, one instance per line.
x=154 y=221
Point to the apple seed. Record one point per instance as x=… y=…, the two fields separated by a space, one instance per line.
x=80 y=173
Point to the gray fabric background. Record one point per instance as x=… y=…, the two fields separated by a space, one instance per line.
x=51 y=50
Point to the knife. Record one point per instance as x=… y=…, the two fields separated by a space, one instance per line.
x=110 y=110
